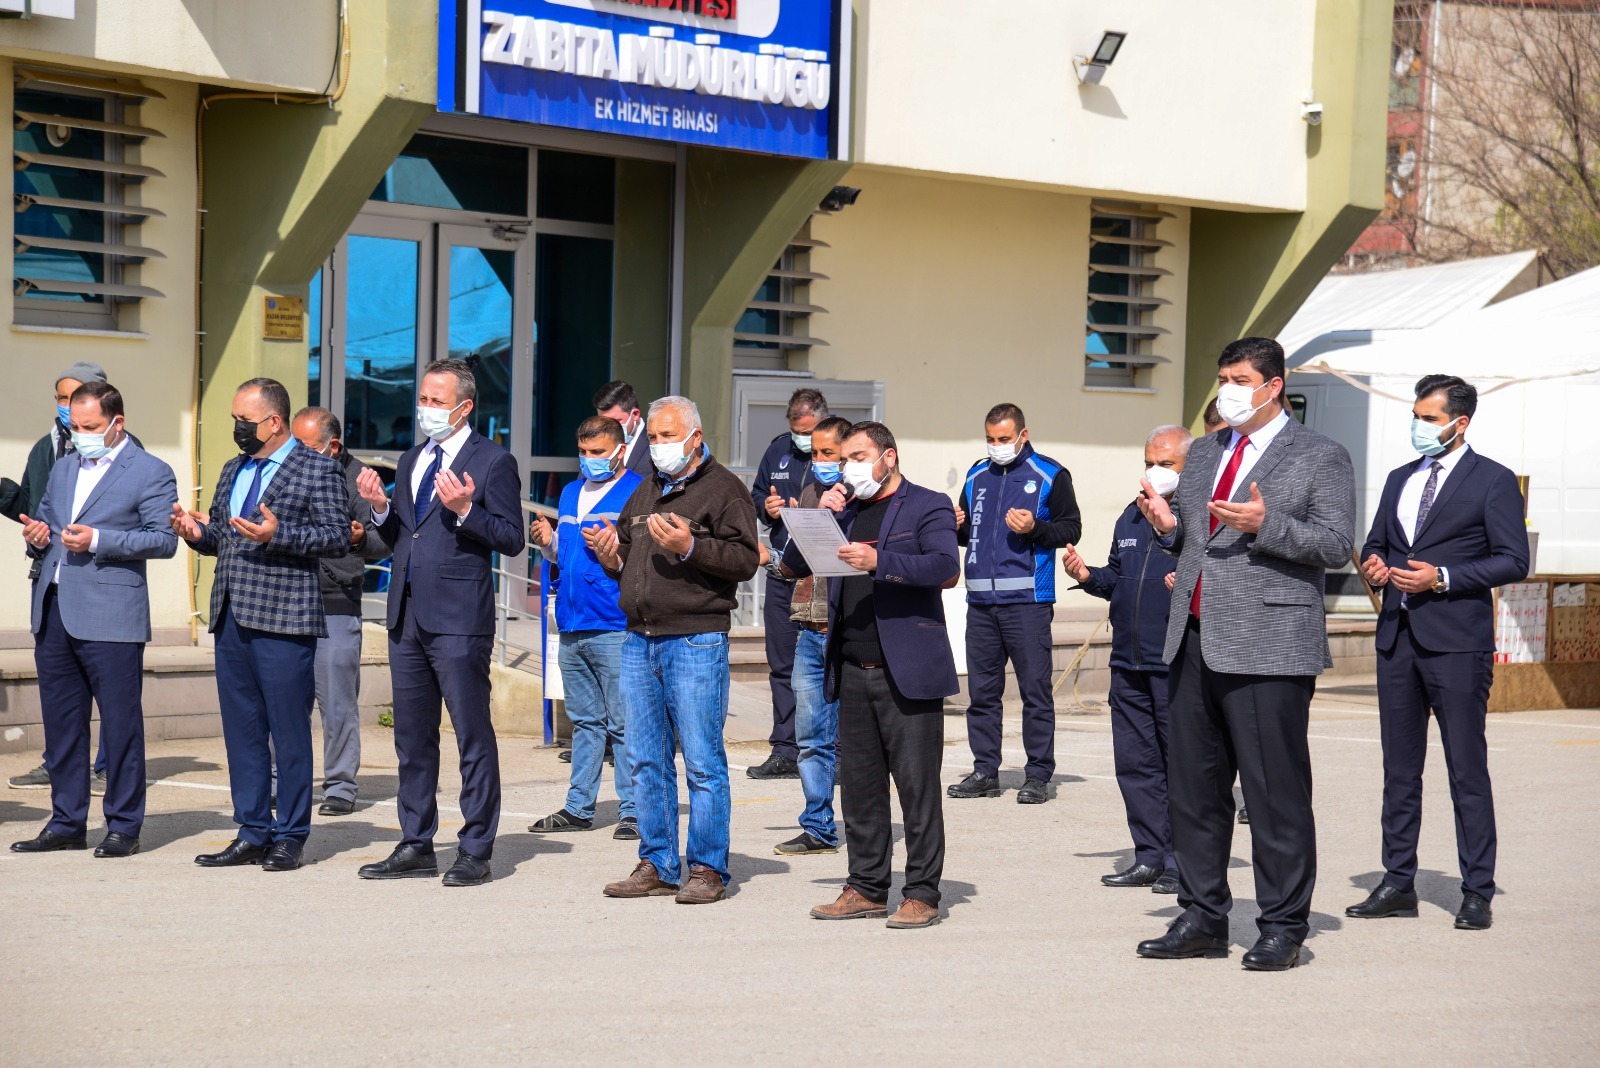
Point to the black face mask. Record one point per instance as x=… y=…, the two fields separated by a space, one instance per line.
x=244 y=436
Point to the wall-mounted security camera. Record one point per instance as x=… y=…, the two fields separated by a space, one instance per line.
x=1311 y=111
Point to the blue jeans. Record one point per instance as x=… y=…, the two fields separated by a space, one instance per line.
x=678 y=685
x=816 y=728
x=591 y=667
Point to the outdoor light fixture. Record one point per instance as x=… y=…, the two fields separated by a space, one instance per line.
x=839 y=198
x=1090 y=69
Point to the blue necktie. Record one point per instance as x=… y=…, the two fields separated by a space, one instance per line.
x=251 y=498
x=425 y=489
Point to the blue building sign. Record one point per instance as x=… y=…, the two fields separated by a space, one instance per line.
x=758 y=75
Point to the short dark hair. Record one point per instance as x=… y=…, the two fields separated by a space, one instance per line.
x=272 y=392
x=597 y=426
x=327 y=423
x=109 y=396
x=880 y=434
x=1262 y=353
x=466 y=384
x=806 y=401
x=1460 y=396
x=616 y=394
x=836 y=425
x=1001 y=413
x=1211 y=417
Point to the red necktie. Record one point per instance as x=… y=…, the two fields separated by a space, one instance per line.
x=1223 y=492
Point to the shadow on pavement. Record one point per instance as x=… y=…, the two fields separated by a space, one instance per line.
x=511 y=851
x=742 y=867
x=1433 y=886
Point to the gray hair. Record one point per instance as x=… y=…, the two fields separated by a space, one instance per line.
x=690 y=411
x=1185 y=439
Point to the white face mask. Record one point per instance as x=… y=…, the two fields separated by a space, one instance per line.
x=1233 y=402
x=631 y=428
x=91 y=446
x=858 y=476
x=670 y=457
x=435 y=422
x=801 y=441
x=1003 y=454
x=1164 y=480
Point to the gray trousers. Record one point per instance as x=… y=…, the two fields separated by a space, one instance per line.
x=338 y=696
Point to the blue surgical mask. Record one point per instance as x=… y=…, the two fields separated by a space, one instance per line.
x=91 y=446
x=64 y=414
x=1425 y=438
x=825 y=471
x=598 y=468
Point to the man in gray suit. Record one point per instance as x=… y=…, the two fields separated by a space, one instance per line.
x=104 y=513
x=1264 y=509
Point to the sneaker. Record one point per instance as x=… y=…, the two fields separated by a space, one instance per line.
x=560 y=821
x=805 y=843
x=775 y=767
x=97 y=784
x=627 y=830
x=37 y=779
x=703 y=887
x=976 y=785
x=1033 y=792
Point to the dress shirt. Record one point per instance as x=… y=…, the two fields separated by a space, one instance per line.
x=90 y=472
x=1411 y=493
x=451 y=447
x=1259 y=441
x=247 y=475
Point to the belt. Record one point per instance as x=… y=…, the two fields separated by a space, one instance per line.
x=820 y=628
x=866 y=667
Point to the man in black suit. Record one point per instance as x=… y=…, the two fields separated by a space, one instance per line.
x=1449 y=529
x=457 y=502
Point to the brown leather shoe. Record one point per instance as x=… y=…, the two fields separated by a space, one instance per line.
x=702 y=887
x=644 y=882
x=850 y=905
x=913 y=913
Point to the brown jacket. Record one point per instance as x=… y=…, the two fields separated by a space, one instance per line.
x=663 y=595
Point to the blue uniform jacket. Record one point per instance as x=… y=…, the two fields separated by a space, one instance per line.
x=588 y=598
x=786 y=469
x=1134 y=581
x=1004 y=567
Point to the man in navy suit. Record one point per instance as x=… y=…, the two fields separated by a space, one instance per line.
x=1449 y=529
x=889 y=666
x=278 y=509
x=104 y=513
x=457 y=502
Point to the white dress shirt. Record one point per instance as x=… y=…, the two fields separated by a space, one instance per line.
x=451 y=447
x=1410 y=501
x=1252 y=452
x=90 y=473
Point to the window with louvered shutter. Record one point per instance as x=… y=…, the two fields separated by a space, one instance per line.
x=1123 y=278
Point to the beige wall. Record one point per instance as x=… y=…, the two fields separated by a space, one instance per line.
x=155 y=372
x=959 y=296
x=281 y=44
x=989 y=90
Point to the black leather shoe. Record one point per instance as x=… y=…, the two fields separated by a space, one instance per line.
x=1167 y=884
x=406 y=862
x=117 y=844
x=1384 y=902
x=468 y=870
x=1183 y=939
x=1244 y=815
x=1138 y=875
x=1273 y=953
x=285 y=855
x=975 y=785
x=238 y=852
x=1475 y=914
x=48 y=841
x=336 y=806
x=775 y=767
x=1033 y=792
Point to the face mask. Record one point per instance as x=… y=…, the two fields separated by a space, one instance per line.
x=858 y=476
x=1425 y=438
x=801 y=441
x=64 y=414
x=1233 y=403
x=245 y=436
x=825 y=471
x=1164 y=480
x=670 y=456
x=630 y=430
x=1003 y=454
x=598 y=468
x=435 y=422
x=91 y=446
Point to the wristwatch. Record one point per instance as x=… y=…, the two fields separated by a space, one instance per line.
x=1438 y=584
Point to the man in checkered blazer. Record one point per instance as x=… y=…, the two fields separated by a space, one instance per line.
x=278 y=508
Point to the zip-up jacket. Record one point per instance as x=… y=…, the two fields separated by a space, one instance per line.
x=1134 y=581
x=664 y=594
x=786 y=468
x=1003 y=567
x=588 y=597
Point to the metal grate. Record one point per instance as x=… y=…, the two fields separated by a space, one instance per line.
x=1123 y=272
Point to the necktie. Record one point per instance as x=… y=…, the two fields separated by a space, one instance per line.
x=250 y=499
x=1223 y=492
x=425 y=489
x=1423 y=507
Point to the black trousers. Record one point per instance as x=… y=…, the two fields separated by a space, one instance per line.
x=1253 y=726
x=1456 y=686
x=882 y=733
x=781 y=634
x=1139 y=744
x=1019 y=633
